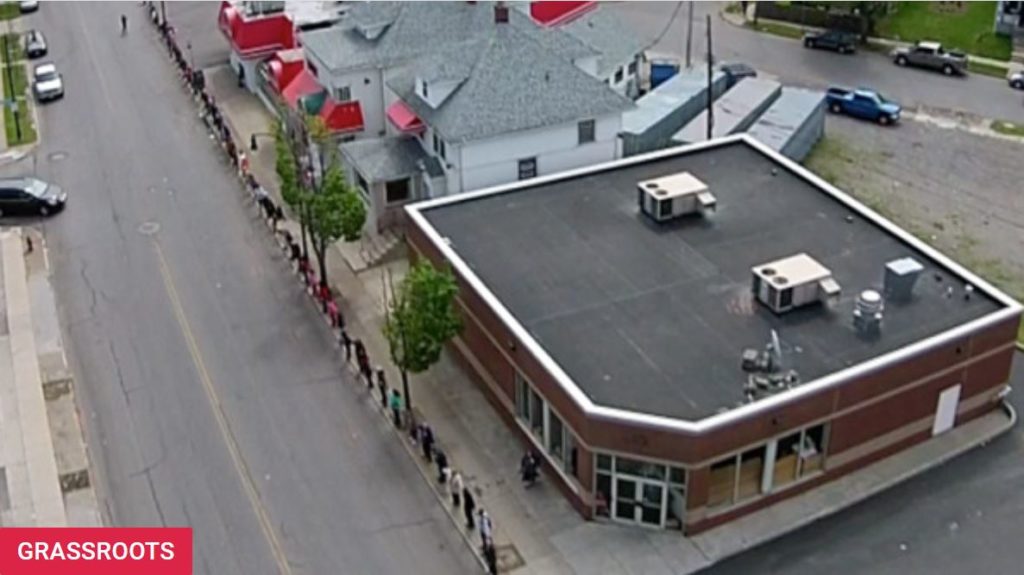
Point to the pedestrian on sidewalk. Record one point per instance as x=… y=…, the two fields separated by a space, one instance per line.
x=442 y=466
x=124 y=24
x=396 y=407
x=346 y=344
x=243 y=164
x=528 y=468
x=486 y=528
x=382 y=386
x=278 y=216
x=491 y=558
x=427 y=441
x=455 y=488
x=468 y=507
x=363 y=361
x=332 y=312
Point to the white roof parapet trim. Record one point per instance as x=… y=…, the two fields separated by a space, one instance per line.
x=414 y=211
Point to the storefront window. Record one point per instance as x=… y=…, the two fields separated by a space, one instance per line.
x=639 y=468
x=722 y=486
x=751 y=471
x=522 y=398
x=555 y=437
x=536 y=414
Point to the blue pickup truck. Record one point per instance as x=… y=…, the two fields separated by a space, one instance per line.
x=866 y=104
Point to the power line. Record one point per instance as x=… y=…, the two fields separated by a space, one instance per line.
x=668 y=27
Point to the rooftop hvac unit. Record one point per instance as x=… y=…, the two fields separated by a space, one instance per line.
x=792 y=282
x=867 y=312
x=670 y=197
x=900 y=277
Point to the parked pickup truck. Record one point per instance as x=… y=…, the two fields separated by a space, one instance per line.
x=866 y=104
x=931 y=55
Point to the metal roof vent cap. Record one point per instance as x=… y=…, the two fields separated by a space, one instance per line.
x=868 y=312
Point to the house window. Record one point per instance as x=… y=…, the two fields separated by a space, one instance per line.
x=585 y=131
x=312 y=69
x=618 y=75
x=632 y=68
x=396 y=191
x=527 y=168
x=362 y=185
x=426 y=94
x=439 y=147
x=343 y=94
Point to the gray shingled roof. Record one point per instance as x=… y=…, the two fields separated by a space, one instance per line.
x=515 y=84
x=608 y=36
x=383 y=159
x=415 y=29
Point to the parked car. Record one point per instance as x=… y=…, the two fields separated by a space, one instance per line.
x=35 y=44
x=842 y=42
x=26 y=6
x=1016 y=79
x=862 y=103
x=47 y=83
x=736 y=71
x=29 y=196
x=931 y=55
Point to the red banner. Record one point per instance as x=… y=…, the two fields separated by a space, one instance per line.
x=96 y=551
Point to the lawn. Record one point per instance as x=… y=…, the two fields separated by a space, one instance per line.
x=968 y=29
x=15 y=86
x=9 y=10
x=986 y=69
x=1008 y=128
x=788 y=31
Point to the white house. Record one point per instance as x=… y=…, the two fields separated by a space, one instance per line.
x=458 y=96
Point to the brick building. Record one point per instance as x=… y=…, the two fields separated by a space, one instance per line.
x=694 y=334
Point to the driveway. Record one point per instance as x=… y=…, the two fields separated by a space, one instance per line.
x=793 y=64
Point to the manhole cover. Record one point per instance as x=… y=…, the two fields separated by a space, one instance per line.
x=149 y=228
x=509 y=558
x=57 y=156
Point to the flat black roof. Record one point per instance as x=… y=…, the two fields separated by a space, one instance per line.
x=653 y=318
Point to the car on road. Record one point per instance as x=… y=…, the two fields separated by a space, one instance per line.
x=836 y=40
x=35 y=44
x=736 y=71
x=1016 y=79
x=30 y=196
x=863 y=103
x=26 y=6
x=933 y=56
x=47 y=83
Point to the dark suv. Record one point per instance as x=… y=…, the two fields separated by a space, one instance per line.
x=842 y=42
x=29 y=196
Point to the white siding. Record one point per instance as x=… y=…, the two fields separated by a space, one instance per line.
x=496 y=161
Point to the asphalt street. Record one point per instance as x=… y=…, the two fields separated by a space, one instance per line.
x=793 y=64
x=211 y=392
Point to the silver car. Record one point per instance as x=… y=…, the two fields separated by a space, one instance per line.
x=35 y=44
x=1016 y=79
x=47 y=84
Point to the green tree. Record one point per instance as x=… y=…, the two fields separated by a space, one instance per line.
x=336 y=212
x=421 y=318
x=292 y=191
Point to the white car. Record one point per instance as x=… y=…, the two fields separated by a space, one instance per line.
x=1016 y=79
x=47 y=83
x=26 y=6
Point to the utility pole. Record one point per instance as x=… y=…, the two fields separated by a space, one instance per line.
x=163 y=12
x=711 y=71
x=689 y=31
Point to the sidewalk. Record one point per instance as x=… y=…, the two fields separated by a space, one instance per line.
x=536 y=530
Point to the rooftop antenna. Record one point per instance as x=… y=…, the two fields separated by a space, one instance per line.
x=776 y=346
x=711 y=60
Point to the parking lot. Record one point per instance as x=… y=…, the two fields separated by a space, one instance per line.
x=958 y=190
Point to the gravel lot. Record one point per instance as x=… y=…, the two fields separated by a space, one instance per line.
x=961 y=192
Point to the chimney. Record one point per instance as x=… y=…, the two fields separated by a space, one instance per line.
x=500 y=13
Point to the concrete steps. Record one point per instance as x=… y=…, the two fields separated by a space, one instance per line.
x=373 y=250
x=1018 y=49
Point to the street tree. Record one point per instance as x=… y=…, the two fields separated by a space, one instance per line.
x=421 y=318
x=292 y=190
x=336 y=212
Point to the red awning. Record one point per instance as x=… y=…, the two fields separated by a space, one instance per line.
x=553 y=13
x=403 y=118
x=283 y=72
x=257 y=36
x=342 y=116
x=304 y=84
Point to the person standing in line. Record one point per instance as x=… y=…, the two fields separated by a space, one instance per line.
x=124 y=24
x=491 y=558
x=468 y=507
x=346 y=344
x=455 y=488
x=486 y=528
x=382 y=385
x=396 y=407
x=427 y=441
x=332 y=312
x=442 y=466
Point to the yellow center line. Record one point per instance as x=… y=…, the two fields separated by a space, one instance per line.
x=218 y=412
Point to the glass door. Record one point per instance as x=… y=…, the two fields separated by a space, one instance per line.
x=625 y=496
x=639 y=501
x=652 y=504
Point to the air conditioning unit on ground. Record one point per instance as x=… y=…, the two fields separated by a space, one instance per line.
x=792 y=282
x=670 y=197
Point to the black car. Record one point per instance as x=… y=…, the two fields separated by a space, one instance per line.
x=841 y=42
x=35 y=44
x=29 y=196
